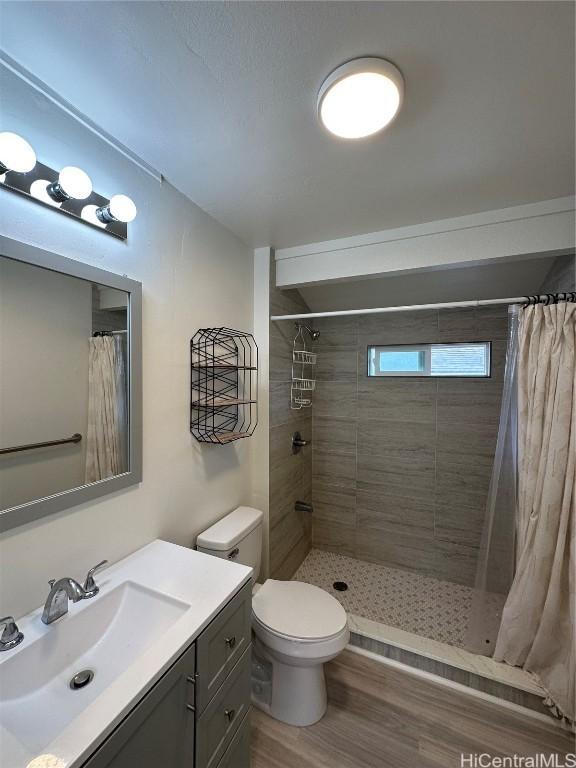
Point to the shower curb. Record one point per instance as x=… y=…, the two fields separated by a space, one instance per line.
x=452 y=673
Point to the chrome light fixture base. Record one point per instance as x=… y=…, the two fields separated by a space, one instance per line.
x=57 y=193
x=103 y=214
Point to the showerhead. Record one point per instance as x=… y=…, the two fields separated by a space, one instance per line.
x=313 y=333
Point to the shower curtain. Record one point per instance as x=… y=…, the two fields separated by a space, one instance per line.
x=495 y=570
x=107 y=422
x=538 y=622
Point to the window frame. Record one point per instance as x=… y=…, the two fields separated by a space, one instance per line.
x=426 y=347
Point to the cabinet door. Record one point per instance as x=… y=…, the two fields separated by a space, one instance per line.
x=160 y=730
x=222 y=644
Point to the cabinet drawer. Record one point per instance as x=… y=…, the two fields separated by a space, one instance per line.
x=222 y=644
x=222 y=717
x=238 y=753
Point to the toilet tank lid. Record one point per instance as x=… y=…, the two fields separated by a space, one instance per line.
x=226 y=533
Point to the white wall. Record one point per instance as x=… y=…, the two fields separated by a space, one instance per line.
x=194 y=274
x=45 y=327
x=261 y=439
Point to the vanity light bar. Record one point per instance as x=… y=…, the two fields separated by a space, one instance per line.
x=68 y=191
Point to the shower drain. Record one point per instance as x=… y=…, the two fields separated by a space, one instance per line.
x=340 y=586
x=81 y=679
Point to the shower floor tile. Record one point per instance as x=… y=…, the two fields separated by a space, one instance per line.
x=425 y=606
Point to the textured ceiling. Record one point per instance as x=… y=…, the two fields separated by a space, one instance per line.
x=220 y=97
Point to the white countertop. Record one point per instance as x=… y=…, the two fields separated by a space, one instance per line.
x=202 y=582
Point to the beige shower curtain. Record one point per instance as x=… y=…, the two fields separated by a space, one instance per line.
x=105 y=456
x=538 y=623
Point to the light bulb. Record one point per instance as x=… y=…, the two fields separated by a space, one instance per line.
x=46 y=761
x=120 y=208
x=15 y=153
x=88 y=213
x=360 y=98
x=73 y=184
x=39 y=190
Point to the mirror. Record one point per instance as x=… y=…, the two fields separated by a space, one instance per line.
x=69 y=383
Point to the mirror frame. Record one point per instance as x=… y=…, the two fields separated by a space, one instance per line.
x=34 y=510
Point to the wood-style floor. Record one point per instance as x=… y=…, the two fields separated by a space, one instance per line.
x=382 y=717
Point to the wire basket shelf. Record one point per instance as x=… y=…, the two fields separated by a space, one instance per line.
x=303 y=356
x=307 y=385
x=224 y=385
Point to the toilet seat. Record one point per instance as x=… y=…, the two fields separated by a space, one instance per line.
x=294 y=610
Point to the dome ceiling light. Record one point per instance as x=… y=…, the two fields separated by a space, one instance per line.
x=360 y=98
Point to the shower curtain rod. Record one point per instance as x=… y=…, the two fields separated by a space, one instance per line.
x=414 y=307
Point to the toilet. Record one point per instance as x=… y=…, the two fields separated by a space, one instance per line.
x=297 y=627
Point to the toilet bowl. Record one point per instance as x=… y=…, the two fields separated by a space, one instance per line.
x=297 y=627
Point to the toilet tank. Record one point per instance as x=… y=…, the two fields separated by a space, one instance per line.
x=236 y=537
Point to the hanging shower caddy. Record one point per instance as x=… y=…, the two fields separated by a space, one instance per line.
x=303 y=367
x=224 y=385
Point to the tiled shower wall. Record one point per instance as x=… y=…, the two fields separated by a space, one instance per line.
x=562 y=275
x=401 y=466
x=290 y=475
x=107 y=319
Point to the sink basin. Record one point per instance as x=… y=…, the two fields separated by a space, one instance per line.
x=108 y=634
x=151 y=606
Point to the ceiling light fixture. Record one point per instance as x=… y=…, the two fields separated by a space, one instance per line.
x=360 y=97
x=15 y=153
x=73 y=184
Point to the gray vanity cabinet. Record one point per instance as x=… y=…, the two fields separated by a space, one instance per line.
x=197 y=714
x=160 y=730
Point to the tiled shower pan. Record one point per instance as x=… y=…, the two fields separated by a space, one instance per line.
x=416 y=620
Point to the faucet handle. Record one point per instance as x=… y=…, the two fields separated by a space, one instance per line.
x=90 y=587
x=11 y=636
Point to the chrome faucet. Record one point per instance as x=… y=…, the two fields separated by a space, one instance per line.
x=11 y=636
x=66 y=589
x=57 y=601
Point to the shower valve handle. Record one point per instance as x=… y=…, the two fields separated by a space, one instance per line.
x=298 y=442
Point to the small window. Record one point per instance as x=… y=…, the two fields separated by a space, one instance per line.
x=459 y=359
